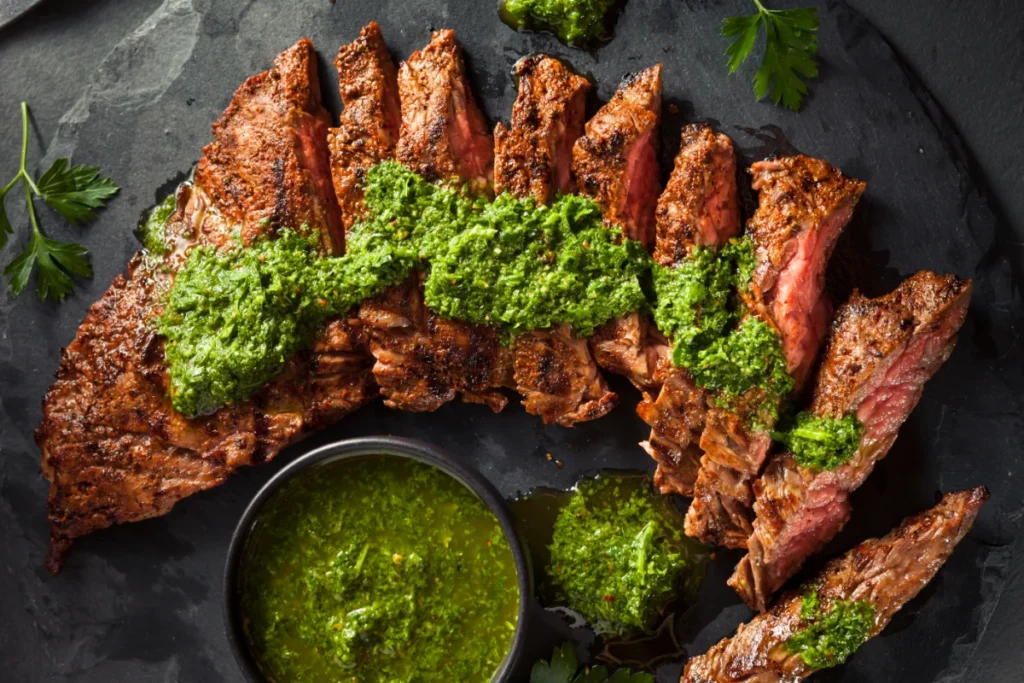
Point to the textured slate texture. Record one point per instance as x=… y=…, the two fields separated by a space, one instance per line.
x=142 y=602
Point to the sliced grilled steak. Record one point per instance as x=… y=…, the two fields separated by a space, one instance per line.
x=423 y=361
x=804 y=204
x=699 y=207
x=616 y=160
x=113 y=448
x=553 y=369
x=444 y=134
x=370 y=120
x=616 y=165
x=533 y=155
x=886 y=573
x=880 y=354
x=803 y=207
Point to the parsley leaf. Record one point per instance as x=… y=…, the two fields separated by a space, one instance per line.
x=75 y=192
x=563 y=669
x=560 y=669
x=791 y=42
x=55 y=260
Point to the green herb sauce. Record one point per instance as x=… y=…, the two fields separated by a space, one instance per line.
x=822 y=443
x=726 y=349
x=152 y=227
x=573 y=21
x=619 y=555
x=379 y=569
x=233 y=319
x=829 y=638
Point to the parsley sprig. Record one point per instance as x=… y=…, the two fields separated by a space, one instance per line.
x=75 y=192
x=791 y=42
x=563 y=669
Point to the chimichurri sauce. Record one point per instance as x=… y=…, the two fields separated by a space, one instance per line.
x=618 y=555
x=378 y=569
x=581 y=23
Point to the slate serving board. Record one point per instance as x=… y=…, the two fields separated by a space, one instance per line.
x=142 y=602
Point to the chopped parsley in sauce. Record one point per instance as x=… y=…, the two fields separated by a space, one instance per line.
x=725 y=347
x=829 y=638
x=234 y=318
x=821 y=443
x=378 y=569
x=619 y=554
x=577 y=22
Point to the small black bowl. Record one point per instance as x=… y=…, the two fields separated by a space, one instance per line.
x=373 y=445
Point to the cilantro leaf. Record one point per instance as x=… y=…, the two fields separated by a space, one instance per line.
x=5 y=224
x=75 y=192
x=562 y=669
x=55 y=259
x=791 y=43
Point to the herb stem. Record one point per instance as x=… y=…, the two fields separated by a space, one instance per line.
x=31 y=210
x=22 y=171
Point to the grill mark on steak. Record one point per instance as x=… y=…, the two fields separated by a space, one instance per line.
x=880 y=353
x=699 y=207
x=553 y=369
x=887 y=573
x=615 y=164
x=422 y=360
x=113 y=448
x=804 y=204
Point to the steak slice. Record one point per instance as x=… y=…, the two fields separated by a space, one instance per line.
x=533 y=154
x=616 y=164
x=422 y=360
x=880 y=353
x=616 y=160
x=113 y=448
x=444 y=134
x=553 y=368
x=370 y=120
x=886 y=573
x=699 y=207
x=804 y=204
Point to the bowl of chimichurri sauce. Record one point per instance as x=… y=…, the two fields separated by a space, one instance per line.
x=377 y=559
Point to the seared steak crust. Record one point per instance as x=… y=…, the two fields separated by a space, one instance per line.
x=880 y=354
x=804 y=204
x=553 y=369
x=887 y=573
x=616 y=160
x=616 y=165
x=113 y=448
x=423 y=361
x=444 y=135
x=533 y=155
x=370 y=120
x=699 y=207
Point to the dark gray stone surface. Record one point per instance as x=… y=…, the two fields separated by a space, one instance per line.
x=133 y=87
